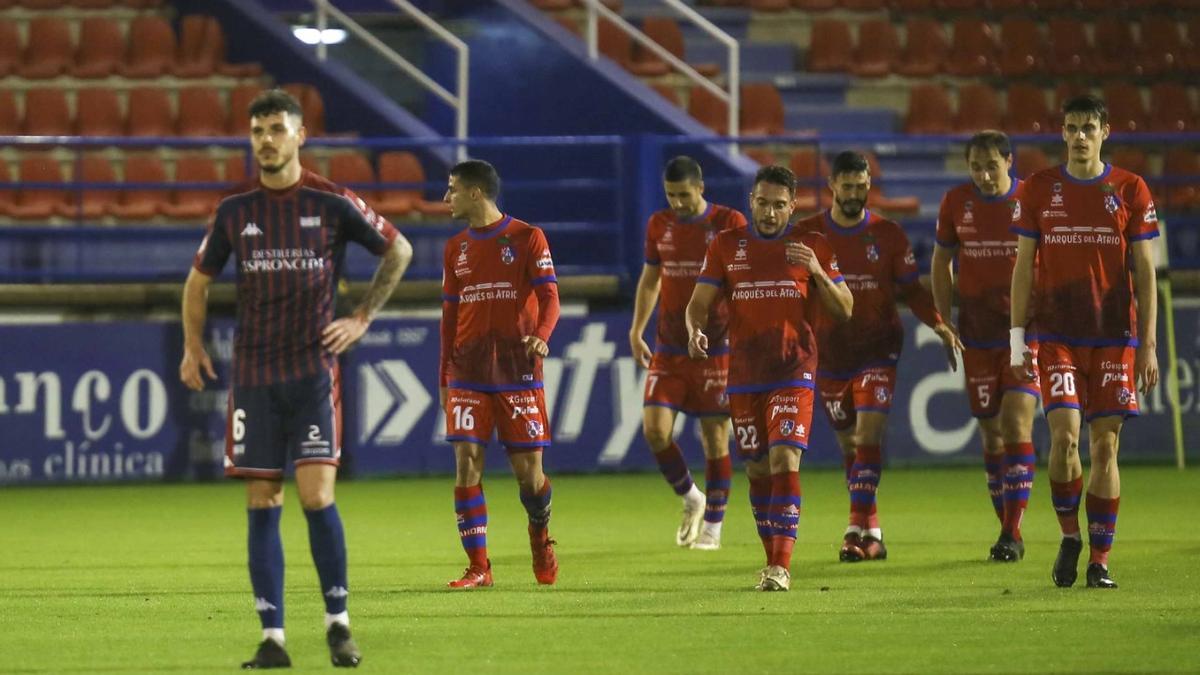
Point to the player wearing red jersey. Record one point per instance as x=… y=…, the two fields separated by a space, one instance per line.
x=858 y=358
x=1086 y=227
x=499 y=306
x=287 y=229
x=974 y=225
x=773 y=356
x=676 y=240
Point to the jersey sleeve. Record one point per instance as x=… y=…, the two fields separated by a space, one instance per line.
x=449 y=278
x=1024 y=210
x=1143 y=218
x=360 y=223
x=215 y=248
x=652 y=257
x=947 y=234
x=825 y=255
x=541 y=264
x=737 y=220
x=713 y=270
x=904 y=262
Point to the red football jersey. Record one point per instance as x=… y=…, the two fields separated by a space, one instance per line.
x=980 y=227
x=771 y=343
x=491 y=275
x=677 y=247
x=875 y=259
x=1084 y=228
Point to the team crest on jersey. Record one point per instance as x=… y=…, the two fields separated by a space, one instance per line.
x=1124 y=396
x=872 y=253
x=667 y=236
x=786 y=427
x=506 y=255
x=533 y=428
x=1110 y=203
x=881 y=394
x=968 y=213
x=709 y=235
x=1015 y=205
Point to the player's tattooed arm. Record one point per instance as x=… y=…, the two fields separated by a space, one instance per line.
x=339 y=335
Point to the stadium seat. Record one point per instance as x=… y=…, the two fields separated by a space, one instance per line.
x=352 y=170
x=92 y=167
x=876 y=199
x=239 y=108
x=864 y=5
x=234 y=168
x=1182 y=162
x=832 y=48
x=668 y=92
x=310 y=162
x=399 y=166
x=7 y=193
x=769 y=5
x=614 y=43
x=912 y=6
x=708 y=110
x=877 y=49
x=928 y=110
x=195 y=167
x=1126 y=111
x=153 y=52
x=313 y=105
x=814 y=5
x=1162 y=46
x=42 y=4
x=667 y=33
x=552 y=5
x=1006 y=6
x=644 y=62
x=972 y=50
x=10 y=117
x=1028 y=160
x=1116 y=52
x=957 y=6
x=1191 y=58
x=1130 y=159
x=809 y=165
x=46 y=113
x=1020 y=47
x=201 y=112
x=38 y=203
x=49 y=50
x=925 y=48
x=978 y=108
x=1069 y=52
x=10 y=47
x=150 y=113
x=98 y=112
x=1064 y=91
x=101 y=48
x=761 y=155
x=93 y=4
x=1027 y=112
x=200 y=38
x=1171 y=108
x=761 y=110
x=141 y=203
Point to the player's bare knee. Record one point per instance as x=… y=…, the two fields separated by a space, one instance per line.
x=657 y=438
x=264 y=494
x=315 y=497
x=1064 y=441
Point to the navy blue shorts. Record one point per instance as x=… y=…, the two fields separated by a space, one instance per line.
x=299 y=420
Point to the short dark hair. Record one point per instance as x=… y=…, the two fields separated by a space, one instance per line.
x=778 y=175
x=480 y=174
x=1087 y=104
x=683 y=168
x=849 y=161
x=273 y=101
x=989 y=139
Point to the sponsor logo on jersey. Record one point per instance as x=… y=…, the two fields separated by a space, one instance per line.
x=524 y=410
x=545 y=262
x=310 y=221
x=251 y=230
x=1056 y=200
x=1151 y=215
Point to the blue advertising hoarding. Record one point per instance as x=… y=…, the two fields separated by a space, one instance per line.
x=96 y=401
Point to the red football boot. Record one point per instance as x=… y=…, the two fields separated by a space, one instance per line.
x=545 y=564
x=474 y=577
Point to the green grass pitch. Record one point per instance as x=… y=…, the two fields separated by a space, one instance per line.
x=153 y=579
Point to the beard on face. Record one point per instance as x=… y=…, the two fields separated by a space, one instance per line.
x=851 y=208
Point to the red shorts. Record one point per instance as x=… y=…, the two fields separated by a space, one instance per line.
x=870 y=390
x=766 y=418
x=989 y=378
x=1097 y=380
x=518 y=418
x=694 y=387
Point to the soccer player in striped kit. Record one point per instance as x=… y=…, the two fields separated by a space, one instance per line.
x=287 y=230
x=1085 y=227
x=974 y=225
x=499 y=307
x=676 y=239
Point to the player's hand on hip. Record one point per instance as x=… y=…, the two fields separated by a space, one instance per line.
x=339 y=335
x=640 y=350
x=951 y=342
x=698 y=345
x=799 y=254
x=194 y=365
x=1145 y=368
x=535 y=347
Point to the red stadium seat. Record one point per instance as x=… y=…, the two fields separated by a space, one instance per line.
x=876 y=199
x=1171 y=108
x=925 y=48
x=312 y=104
x=761 y=155
x=399 y=166
x=928 y=110
x=615 y=43
x=761 y=110
x=201 y=112
x=91 y=204
x=978 y=108
x=1020 y=47
x=234 y=168
x=973 y=49
x=709 y=110
x=193 y=204
x=201 y=46
x=668 y=92
x=814 y=5
x=1191 y=59
x=552 y=5
x=49 y=50
x=42 y=4
x=150 y=113
x=1069 y=51
x=1005 y=6
x=350 y=169
x=957 y=6
x=808 y=165
x=10 y=118
x=98 y=112
x=1163 y=49
x=864 y=5
x=239 y=108
x=93 y=4
x=1062 y=93
x=912 y=6
x=152 y=53
x=38 y=203
x=1130 y=159
x=1126 y=111
x=877 y=49
x=1029 y=159
x=1186 y=163
x=667 y=33
x=46 y=113
x=832 y=48
x=7 y=194
x=141 y=203
x=1027 y=112
x=1117 y=53
x=10 y=47
x=101 y=48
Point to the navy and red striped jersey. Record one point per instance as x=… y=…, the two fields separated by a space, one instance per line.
x=289 y=247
